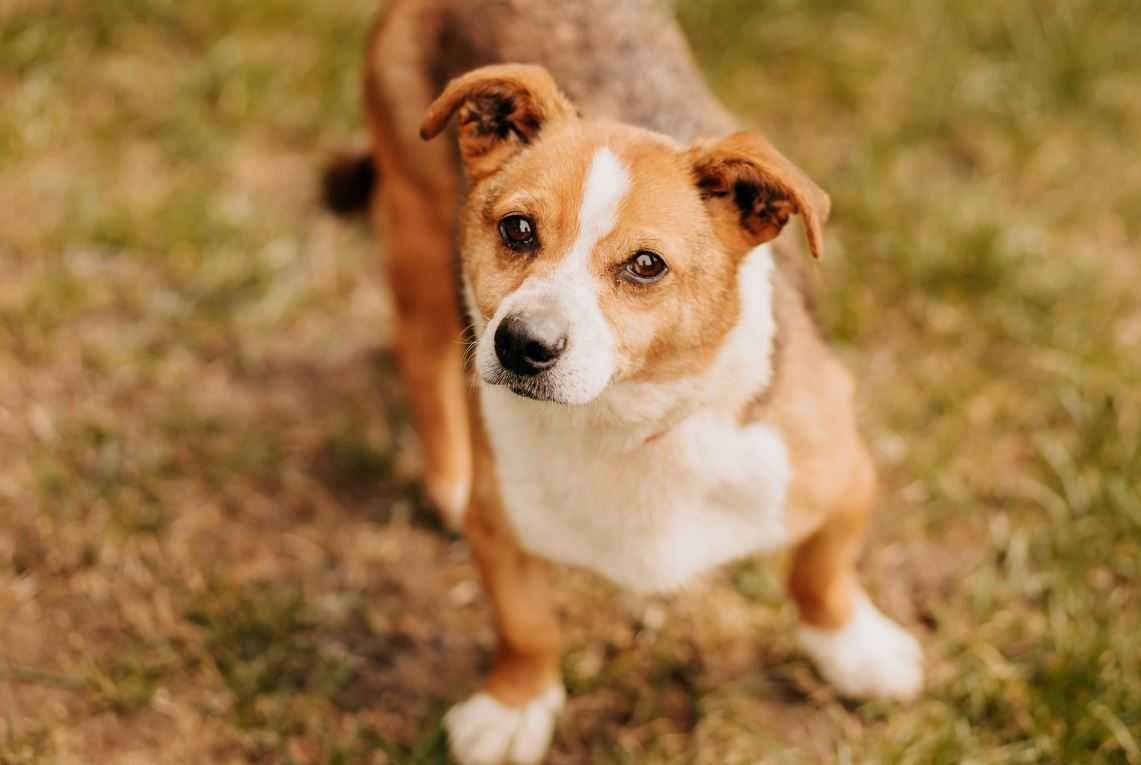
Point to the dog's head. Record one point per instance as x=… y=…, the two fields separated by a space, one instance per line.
x=596 y=252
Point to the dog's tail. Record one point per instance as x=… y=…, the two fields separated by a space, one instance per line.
x=348 y=183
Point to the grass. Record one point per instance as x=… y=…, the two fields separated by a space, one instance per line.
x=211 y=548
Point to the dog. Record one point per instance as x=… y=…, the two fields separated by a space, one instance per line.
x=646 y=394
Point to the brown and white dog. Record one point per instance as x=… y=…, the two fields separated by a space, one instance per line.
x=649 y=396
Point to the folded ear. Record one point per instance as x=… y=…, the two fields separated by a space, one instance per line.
x=500 y=109
x=752 y=190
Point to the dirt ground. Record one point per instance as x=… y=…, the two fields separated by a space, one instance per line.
x=213 y=548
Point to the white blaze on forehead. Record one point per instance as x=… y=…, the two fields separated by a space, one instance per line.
x=607 y=182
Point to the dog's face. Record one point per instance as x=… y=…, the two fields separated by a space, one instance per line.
x=595 y=253
x=590 y=259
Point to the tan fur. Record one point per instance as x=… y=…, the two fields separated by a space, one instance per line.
x=590 y=49
x=822 y=579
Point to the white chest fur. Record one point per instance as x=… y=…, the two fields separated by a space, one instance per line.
x=582 y=485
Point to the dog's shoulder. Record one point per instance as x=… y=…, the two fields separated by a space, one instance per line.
x=811 y=402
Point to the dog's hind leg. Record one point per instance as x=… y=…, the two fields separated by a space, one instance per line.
x=418 y=226
x=855 y=647
x=512 y=718
x=414 y=203
x=415 y=218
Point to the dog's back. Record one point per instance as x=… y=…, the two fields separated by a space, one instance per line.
x=624 y=60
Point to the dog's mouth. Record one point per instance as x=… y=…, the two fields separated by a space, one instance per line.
x=537 y=388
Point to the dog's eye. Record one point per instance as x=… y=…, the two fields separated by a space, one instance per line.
x=645 y=267
x=518 y=232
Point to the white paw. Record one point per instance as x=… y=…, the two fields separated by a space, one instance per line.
x=870 y=656
x=483 y=731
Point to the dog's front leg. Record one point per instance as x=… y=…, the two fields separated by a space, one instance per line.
x=857 y=649
x=512 y=718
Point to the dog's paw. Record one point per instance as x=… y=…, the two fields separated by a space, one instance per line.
x=871 y=656
x=483 y=731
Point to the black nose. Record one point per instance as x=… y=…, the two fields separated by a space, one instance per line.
x=528 y=346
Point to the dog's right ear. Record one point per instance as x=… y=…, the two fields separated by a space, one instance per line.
x=500 y=108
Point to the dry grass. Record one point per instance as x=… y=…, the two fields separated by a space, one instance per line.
x=212 y=547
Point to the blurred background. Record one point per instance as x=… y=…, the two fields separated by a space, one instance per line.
x=212 y=546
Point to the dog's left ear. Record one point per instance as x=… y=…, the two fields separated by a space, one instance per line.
x=500 y=109
x=752 y=190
